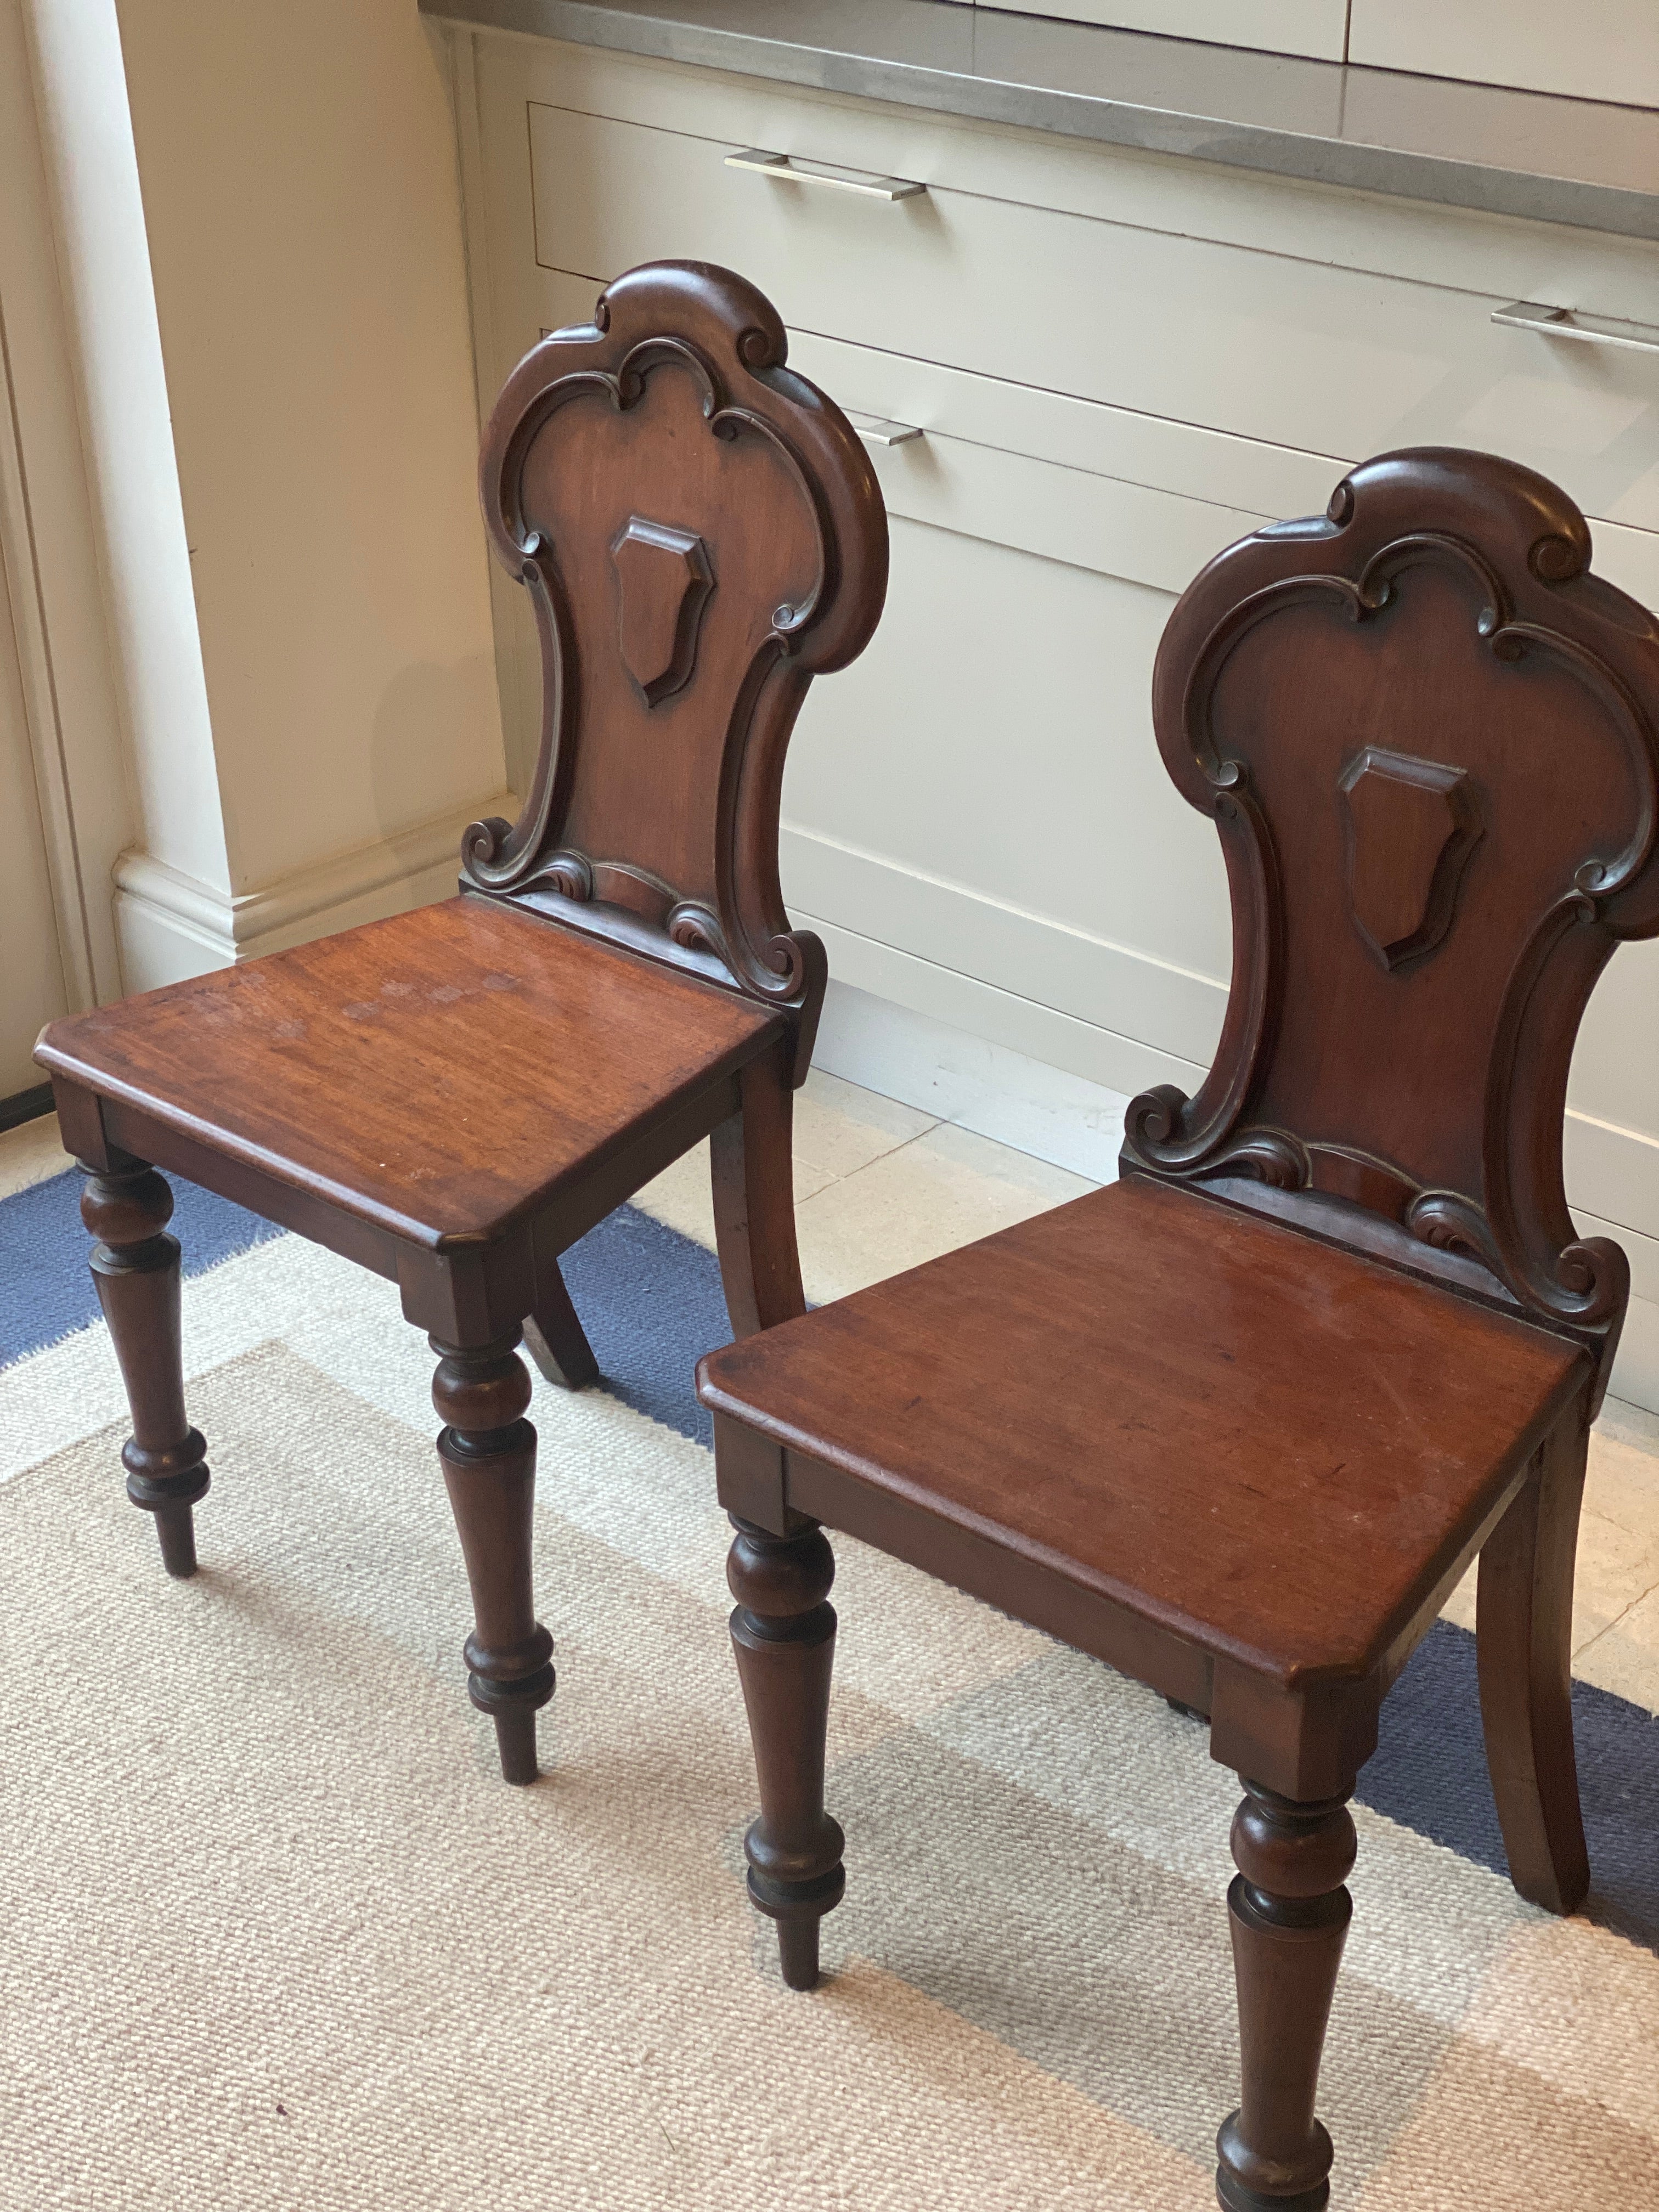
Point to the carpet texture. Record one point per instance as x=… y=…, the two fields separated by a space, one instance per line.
x=279 y=1937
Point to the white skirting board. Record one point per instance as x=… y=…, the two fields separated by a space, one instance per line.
x=1045 y=1111
x=1072 y=1123
x=170 y=926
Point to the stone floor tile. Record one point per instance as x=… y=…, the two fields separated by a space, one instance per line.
x=945 y=1189
x=840 y=1128
x=30 y=1154
x=1624 y=1657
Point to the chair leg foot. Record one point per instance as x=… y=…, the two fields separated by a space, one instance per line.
x=783 y=1633
x=175 y=1525
x=515 y=1741
x=797 y=1949
x=751 y=1160
x=1523 y=1645
x=134 y=1268
x=1289 y=1914
x=1232 y=2197
x=487 y=1450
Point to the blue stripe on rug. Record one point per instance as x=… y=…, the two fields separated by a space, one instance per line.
x=45 y=1286
x=651 y=1301
x=652 y=1304
x=1429 y=1772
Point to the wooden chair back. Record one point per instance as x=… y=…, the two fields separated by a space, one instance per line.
x=1427 y=736
x=701 y=533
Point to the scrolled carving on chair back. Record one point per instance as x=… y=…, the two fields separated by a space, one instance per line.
x=701 y=533
x=1427 y=737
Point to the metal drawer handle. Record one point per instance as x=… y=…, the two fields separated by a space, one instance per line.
x=824 y=172
x=1568 y=323
x=876 y=430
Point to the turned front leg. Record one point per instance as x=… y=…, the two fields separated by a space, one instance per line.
x=1290 y=1915
x=488 y=1453
x=784 y=1635
x=135 y=1266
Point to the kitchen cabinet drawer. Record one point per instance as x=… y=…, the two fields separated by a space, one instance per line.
x=1036 y=471
x=1131 y=496
x=1504 y=258
x=1263 y=346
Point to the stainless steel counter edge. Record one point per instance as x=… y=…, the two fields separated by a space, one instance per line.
x=1530 y=154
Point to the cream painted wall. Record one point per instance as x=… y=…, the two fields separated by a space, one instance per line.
x=121 y=486
x=298 y=167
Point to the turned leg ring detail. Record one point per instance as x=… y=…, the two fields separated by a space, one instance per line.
x=134 y=1268
x=783 y=1633
x=487 y=1450
x=1289 y=1912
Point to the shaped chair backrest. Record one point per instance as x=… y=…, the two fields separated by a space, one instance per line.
x=701 y=533
x=1427 y=736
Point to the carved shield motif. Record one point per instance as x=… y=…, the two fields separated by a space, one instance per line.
x=1410 y=826
x=663 y=580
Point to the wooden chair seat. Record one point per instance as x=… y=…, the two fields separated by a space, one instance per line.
x=1260 y=1412
x=442 y=1076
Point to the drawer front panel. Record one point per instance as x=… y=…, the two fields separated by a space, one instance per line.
x=1130 y=495
x=1059 y=478
x=1420 y=243
x=1282 y=351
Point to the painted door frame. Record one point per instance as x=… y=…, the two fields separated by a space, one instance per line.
x=50 y=550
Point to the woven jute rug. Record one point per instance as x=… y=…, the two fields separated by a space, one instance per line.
x=277 y=1936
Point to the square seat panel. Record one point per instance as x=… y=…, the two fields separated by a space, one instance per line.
x=441 y=1074
x=1261 y=1444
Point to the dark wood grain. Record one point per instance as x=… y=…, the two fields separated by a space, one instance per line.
x=1238 y=1424
x=442 y=1074
x=1142 y=1389
x=454 y=1096
x=752 y=1163
x=554 y=1335
x=1439 y=627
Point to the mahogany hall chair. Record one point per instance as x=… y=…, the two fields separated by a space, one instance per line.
x=452 y=1097
x=1238 y=1423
